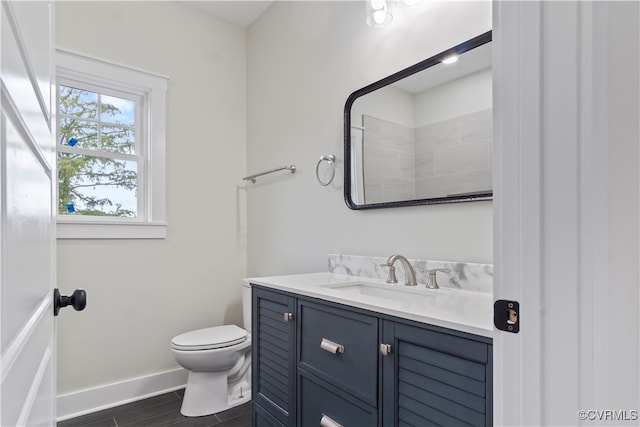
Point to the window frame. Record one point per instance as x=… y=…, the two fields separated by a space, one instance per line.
x=109 y=78
x=140 y=150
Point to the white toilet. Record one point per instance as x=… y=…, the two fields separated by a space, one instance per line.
x=219 y=363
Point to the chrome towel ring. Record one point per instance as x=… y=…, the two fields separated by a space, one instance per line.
x=331 y=160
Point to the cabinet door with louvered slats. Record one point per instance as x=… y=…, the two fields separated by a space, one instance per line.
x=273 y=352
x=435 y=378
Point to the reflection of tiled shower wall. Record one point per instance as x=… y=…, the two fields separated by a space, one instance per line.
x=437 y=160
x=454 y=156
x=388 y=158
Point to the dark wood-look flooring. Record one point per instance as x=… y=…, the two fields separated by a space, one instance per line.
x=163 y=410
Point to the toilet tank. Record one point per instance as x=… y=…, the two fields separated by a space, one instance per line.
x=246 y=306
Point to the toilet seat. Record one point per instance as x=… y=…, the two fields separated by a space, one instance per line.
x=210 y=338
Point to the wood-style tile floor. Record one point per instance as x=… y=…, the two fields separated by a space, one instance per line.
x=163 y=410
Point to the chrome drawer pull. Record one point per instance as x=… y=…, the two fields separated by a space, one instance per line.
x=325 y=421
x=385 y=349
x=331 y=347
x=288 y=317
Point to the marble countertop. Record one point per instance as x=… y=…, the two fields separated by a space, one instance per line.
x=462 y=310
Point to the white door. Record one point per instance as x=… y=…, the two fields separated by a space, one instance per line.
x=566 y=211
x=27 y=177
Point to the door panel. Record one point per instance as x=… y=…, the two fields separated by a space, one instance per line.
x=25 y=379
x=20 y=81
x=435 y=378
x=37 y=45
x=27 y=232
x=27 y=182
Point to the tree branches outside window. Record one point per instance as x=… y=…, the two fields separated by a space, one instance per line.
x=96 y=173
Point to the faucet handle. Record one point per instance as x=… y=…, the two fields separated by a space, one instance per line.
x=433 y=282
x=392 y=273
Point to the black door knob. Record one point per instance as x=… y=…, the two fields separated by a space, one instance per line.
x=78 y=300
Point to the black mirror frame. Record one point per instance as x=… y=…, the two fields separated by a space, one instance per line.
x=422 y=65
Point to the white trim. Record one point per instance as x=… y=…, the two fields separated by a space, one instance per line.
x=111 y=230
x=593 y=243
x=565 y=127
x=26 y=59
x=30 y=399
x=73 y=53
x=101 y=153
x=517 y=203
x=72 y=61
x=152 y=88
x=13 y=350
x=83 y=402
x=13 y=114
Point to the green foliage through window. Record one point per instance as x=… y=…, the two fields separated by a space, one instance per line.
x=97 y=167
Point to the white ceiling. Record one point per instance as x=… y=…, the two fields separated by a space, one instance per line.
x=239 y=12
x=470 y=62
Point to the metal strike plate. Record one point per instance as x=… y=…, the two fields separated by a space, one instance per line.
x=506 y=315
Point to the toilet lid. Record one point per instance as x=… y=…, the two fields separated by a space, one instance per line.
x=210 y=338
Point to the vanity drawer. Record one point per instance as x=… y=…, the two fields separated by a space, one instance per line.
x=340 y=347
x=322 y=405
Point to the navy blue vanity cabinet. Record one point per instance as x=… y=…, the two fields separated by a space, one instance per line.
x=320 y=403
x=337 y=365
x=263 y=418
x=319 y=363
x=435 y=376
x=274 y=358
x=339 y=346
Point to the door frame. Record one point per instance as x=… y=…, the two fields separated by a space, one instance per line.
x=565 y=131
x=517 y=219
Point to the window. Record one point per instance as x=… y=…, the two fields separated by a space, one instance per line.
x=99 y=152
x=110 y=150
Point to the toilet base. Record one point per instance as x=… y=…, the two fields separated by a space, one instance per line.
x=209 y=393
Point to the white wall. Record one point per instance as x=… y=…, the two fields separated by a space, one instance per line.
x=388 y=103
x=143 y=292
x=453 y=99
x=304 y=59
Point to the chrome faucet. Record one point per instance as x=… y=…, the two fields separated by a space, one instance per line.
x=410 y=274
x=433 y=283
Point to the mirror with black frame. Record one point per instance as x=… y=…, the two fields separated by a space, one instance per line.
x=424 y=134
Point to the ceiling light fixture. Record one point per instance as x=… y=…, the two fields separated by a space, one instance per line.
x=407 y=4
x=378 y=13
x=450 y=59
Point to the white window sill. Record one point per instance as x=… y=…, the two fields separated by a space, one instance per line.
x=106 y=230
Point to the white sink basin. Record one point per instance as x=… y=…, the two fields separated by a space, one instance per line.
x=444 y=302
x=463 y=310
x=409 y=295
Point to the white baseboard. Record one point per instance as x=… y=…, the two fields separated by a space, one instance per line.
x=83 y=402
